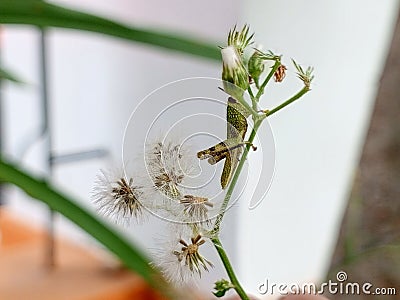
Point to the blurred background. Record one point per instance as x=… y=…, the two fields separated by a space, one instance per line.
x=95 y=82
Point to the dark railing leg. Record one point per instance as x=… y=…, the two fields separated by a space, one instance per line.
x=50 y=244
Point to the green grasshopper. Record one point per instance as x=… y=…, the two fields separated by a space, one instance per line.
x=231 y=148
x=235 y=80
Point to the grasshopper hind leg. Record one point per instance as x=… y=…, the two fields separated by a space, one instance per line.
x=226 y=172
x=214 y=153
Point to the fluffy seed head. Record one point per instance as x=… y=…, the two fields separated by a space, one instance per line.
x=167 y=165
x=117 y=197
x=196 y=208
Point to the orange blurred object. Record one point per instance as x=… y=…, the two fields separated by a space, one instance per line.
x=78 y=274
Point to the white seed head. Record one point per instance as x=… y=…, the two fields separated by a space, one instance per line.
x=168 y=163
x=180 y=257
x=196 y=208
x=117 y=197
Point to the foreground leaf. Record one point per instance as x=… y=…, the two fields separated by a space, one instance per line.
x=7 y=75
x=41 y=13
x=131 y=256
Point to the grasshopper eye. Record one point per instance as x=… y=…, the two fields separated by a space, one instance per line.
x=232 y=100
x=212 y=161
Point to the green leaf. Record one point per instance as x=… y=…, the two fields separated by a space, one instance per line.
x=7 y=75
x=43 y=14
x=221 y=287
x=131 y=256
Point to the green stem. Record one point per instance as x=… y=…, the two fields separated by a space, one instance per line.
x=267 y=79
x=253 y=99
x=229 y=269
x=250 y=109
x=235 y=178
x=215 y=231
x=258 y=119
x=289 y=101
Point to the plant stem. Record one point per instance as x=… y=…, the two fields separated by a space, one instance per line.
x=267 y=79
x=304 y=90
x=239 y=168
x=258 y=119
x=215 y=231
x=248 y=108
x=235 y=178
x=253 y=99
x=229 y=269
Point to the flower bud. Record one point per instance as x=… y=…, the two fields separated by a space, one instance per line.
x=233 y=72
x=256 y=66
x=240 y=39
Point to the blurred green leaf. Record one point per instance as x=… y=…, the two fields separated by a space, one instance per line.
x=41 y=13
x=131 y=256
x=7 y=75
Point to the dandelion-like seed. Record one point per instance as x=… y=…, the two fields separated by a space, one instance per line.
x=167 y=164
x=125 y=198
x=191 y=257
x=196 y=207
x=167 y=185
x=179 y=260
x=117 y=197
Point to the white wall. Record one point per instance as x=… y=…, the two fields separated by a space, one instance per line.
x=293 y=232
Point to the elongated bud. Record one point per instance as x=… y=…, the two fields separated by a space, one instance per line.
x=234 y=72
x=240 y=39
x=256 y=66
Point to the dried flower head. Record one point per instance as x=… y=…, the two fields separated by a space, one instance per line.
x=117 y=197
x=180 y=260
x=280 y=73
x=196 y=208
x=167 y=164
x=190 y=254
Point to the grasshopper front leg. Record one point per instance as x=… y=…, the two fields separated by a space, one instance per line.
x=219 y=151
